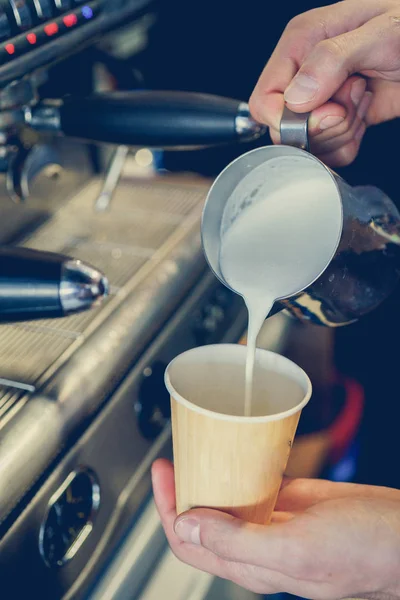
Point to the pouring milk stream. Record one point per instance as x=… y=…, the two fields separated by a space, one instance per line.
x=277 y=242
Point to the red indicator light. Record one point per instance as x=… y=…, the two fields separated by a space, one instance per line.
x=10 y=48
x=31 y=37
x=70 y=20
x=51 y=29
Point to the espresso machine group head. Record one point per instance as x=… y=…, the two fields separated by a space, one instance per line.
x=33 y=35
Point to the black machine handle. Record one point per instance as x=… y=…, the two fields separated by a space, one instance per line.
x=172 y=120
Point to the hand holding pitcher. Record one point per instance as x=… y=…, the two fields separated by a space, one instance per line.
x=316 y=67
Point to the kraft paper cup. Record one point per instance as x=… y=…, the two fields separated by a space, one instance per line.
x=224 y=460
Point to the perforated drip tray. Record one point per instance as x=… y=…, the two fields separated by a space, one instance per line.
x=127 y=239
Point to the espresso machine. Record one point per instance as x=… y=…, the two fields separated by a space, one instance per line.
x=102 y=282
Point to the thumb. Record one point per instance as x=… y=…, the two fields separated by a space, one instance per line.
x=369 y=48
x=234 y=540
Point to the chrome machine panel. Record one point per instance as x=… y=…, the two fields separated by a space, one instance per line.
x=85 y=394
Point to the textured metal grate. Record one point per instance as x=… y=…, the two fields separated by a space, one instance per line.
x=25 y=353
x=11 y=400
x=142 y=217
x=140 y=231
x=166 y=198
x=117 y=262
x=70 y=327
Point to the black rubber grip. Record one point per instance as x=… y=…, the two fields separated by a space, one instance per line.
x=152 y=119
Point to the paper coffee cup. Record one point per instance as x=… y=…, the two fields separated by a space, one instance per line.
x=224 y=460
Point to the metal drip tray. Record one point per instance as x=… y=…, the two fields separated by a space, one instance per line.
x=11 y=399
x=26 y=353
x=142 y=217
x=168 y=200
x=56 y=374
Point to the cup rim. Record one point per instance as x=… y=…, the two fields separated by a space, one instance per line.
x=237 y=418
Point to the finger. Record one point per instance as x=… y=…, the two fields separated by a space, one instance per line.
x=330 y=119
x=232 y=540
x=267 y=108
x=335 y=118
x=321 y=147
x=346 y=154
x=348 y=98
x=370 y=49
x=266 y=559
x=297 y=41
x=297 y=495
x=288 y=555
x=162 y=474
x=385 y=101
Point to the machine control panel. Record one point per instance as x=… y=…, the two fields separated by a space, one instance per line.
x=37 y=33
x=25 y=26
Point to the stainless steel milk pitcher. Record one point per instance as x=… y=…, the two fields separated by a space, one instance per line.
x=363 y=259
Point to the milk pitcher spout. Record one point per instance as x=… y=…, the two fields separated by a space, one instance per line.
x=360 y=264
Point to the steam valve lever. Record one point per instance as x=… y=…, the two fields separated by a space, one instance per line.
x=152 y=119
x=39 y=285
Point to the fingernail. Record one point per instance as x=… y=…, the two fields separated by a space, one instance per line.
x=188 y=530
x=357 y=91
x=364 y=105
x=328 y=122
x=302 y=89
x=360 y=132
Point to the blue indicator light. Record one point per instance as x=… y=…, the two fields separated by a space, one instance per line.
x=87 y=12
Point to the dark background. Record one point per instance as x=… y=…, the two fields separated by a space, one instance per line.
x=221 y=47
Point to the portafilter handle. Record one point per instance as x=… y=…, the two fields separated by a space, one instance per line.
x=152 y=119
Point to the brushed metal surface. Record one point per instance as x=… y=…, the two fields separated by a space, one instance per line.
x=68 y=367
x=143 y=216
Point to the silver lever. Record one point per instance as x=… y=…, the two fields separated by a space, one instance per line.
x=112 y=178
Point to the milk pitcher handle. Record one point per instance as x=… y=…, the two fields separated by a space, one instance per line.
x=294 y=129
